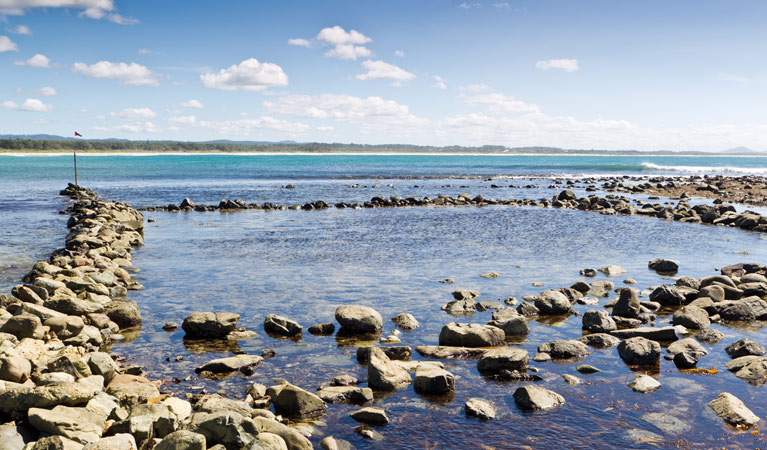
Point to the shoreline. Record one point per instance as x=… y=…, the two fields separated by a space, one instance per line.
x=67 y=153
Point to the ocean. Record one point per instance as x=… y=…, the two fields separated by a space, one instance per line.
x=303 y=264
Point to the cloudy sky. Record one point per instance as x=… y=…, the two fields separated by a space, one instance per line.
x=681 y=75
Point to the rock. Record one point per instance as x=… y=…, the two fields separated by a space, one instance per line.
x=552 y=302
x=293 y=439
x=562 y=349
x=627 y=304
x=10 y=437
x=527 y=309
x=101 y=363
x=182 y=440
x=208 y=325
x=490 y=275
x=368 y=433
x=687 y=345
x=77 y=424
x=587 y=369
x=591 y=273
x=24 y=326
x=120 y=441
x=744 y=347
x=124 y=313
x=581 y=286
x=447 y=352
x=714 y=292
x=370 y=415
x=132 y=388
x=465 y=294
x=506 y=358
x=598 y=321
x=691 y=317
x=480 y=408
x=512 y=325
x=684 y=360
x=181 y=408
x=242 y=363
x=730 y=409
x=15 y=368
x=226 y=428
x=214 y=403
x=281 y=326
x=430 y=379
x=73 y=306
x=644 y=384
x=292 y=401
x=710 y=336
x=665 y=334
x=54 y=443
x=458 y=307
x=663 y=266
x=383 y=374
x=612 y=270
x=599 y=340
x=346 y=394
x=667 y=295
x=639 y=351
x=22 y=399
x=357 y=319
x=749 y=308
x=405 y=321
x=40 y=311
x=401 y=353
x=751 y=369
x=322 y=329
x=268 y=441
x=534 y=398
x=572 y=380
x=471 y=335
x=65 y=326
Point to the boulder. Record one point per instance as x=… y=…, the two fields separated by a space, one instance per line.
x=644 y=384
x=292 y=401
x=639 y=351
x=599 y=340
x=552 y=302
x=400 y=353
x=465 y=294
x=480 y=408
x=743 y=347
x=430 y=379
x=346 y=394
x=535 y=398
x=663 y=266
x=322 y=329
x=78 y=424
x=512 y=325
x=65 y=326
x=162 y=418
x=732 y=410
x=226 y=428
x=281 y=326
x=664 y=334
x=749 y=308
x=689 y=346
x=628 y=304
x=358 y=319
x=370 y=415
x=124 y=313
x=100 y=363
x=54 y=443
x=239 y=363
x=15 y=368
x=458 y=307
x=598 y=321
x=132 y=388
x=447 y=352
x=182 y=440
x=691 y=317
x=471 y=335
x=667 y=295
x=506 y=358
x=751 y=369
x=562 y=349
x=25 y=398
x=383 y=374
x=24 y=326
x=405 y=321
x=612 y=270
x=121 y=441
x=293 y=439
x=214 y=403
x=208 y=325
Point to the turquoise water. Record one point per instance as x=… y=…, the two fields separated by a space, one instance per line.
x=302 y=264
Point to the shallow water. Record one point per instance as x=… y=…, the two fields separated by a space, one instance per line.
x=303 y=264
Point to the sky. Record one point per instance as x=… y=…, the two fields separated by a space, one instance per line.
x=586 y=74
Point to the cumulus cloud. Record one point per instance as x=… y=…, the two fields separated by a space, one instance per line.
x=192 y=103
x=93 y=9
x=249 y=75
x=568 y=65
x=48 y=91
x=379 y=70
x=21 y=29
x=39 y=60
x=7 y=45
x=439 y=83
x=131 y=74
x=345 y=44
x=348 y=51
x=30 y=104
x=300 y=42
x=244 y=127
x=134 y=114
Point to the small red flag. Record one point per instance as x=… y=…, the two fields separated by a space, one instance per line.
x=78 y=134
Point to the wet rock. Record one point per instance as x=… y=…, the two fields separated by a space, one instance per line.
x=370 y=415
x=281 y=326
x=470 y=335
x=587 y=369
x=292 y=401
x=709 y=336
x=562 y=349
x=535 y=398
x=527 y=309
x=581 y=286
x=667 y=295
x=346 y=394
x=743 y=347
x=77 y=424
x=664 y=334
x=512 y=325
x=490 y=275
x=732 y=410
x=480 y=408
x=588 y=272
x=628 y=304
x=506 y=358
x=464 y=306
x=226 y=428
x=667 y=423
x=322 y=329
x=400 y=353
x=124 y=313
x=685 y=360
x=368 y=433
x=241 y=363
x=405 y=321
x=182 y=440
x=383 y=374
x=552 y=302
x=751 y=369
x=639 y=351
x=612 y=270
x=357 y=319
x=465 y=294
x=644 y=384
x=571 y=379
x=24 y=326
x=344 y=380
x=208 y=325
x=214 y=403
x=449 y=352
x=691 y=317
x=598 y=321
x=714 y=292
x=488 y=305
x=430 y=379
x=663 y=266
x=750 y=308
x=687 y=345
x=599 y=340
x=293 y=439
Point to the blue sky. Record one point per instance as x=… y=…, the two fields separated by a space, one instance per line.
x=682 y=75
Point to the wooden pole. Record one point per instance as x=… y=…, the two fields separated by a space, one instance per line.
x=75 y=154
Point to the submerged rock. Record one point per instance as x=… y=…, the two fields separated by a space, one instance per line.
x=241 y=363
x=405 y=321
x=480 y=408
x=535 y=398
x=732 y=410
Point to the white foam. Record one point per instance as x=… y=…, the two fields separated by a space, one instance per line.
x=724 y=170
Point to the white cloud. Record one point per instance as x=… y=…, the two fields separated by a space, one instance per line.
x=39 y=60
x=499 y=103
x=467 y=5
x=244 y=127
x=379 y=70
x=348 y=51
x=131 y=74
x=300 y=42
x=568 y=65
x=30 y=104
x=7 y=45
x=134 y=114
x=48 y=91
x=144 y=51
x=439 y=83
x=249 y=75
x=192 y=103
x=346 y=45
x=21 y=29
x=399 y=53
x=94 y=9
x=186 y=120
x=134 y=128
x=502 y=5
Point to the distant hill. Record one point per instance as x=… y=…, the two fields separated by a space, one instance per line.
x=742 y=151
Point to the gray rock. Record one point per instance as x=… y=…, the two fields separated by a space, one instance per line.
x=405 y=321
x=644 y=384
x=448 y=352
x=587 y=369
x=714 y=292
x=293 y=439
x=687 y=345
x=120 y=441
x=628 y=304
x=400 y=353
x=465 y=294
x=664 y=334
x=612 y=270
x=599 y=340
x=639 y=351
x=430 y=379
x=25 y=398
x=268 y=441
x=512 y=325
x=471 y=335
x=24 y=326
x=65 y=326
x=383 y=374
x=552 y=302
x=40 y=311
x=751 y=369
x=750 y=308
x=692 y=317
x=77 y=424
x=208 y=325
x=598 y=321
x=667 y=295
x=710 y=336
x=358 y=319
x=370 y=415
x=663 y=266
x=10 y=438
x=572 y=380
x=685 y=360
x=214 y=403
x=741 y=347
x=124 y=313
x=331 y=443
x=506 y=358
x=322 y=329
x=281 y=325
x=481 y=408
x=54 y=443
x=242 y=363
x=562 y=349
x=101 y=363
x=535 y=398
x=292 y=401
x=527 y=309
x=732 y=410
x=466 y=307
x=182 y=440
x=226 y=428
x=346 y=394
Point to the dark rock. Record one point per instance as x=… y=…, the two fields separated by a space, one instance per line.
x=639 y=351
x=744 y=347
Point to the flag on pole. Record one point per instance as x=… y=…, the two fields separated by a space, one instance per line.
x=78 y=134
